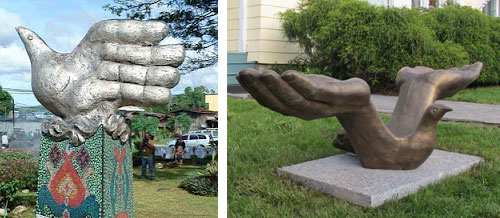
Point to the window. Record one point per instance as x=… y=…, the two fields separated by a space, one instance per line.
x=416 y=3
x=202 y=137
x=193 y=137
x=184 y=137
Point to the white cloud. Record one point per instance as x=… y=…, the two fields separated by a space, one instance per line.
x=13 y=59
x=207 y=77
x=8 y=22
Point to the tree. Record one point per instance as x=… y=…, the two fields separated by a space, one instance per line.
x=142 y=123
x=180 y=122
x=191 y=98
x=193 y=21
x=5 y=102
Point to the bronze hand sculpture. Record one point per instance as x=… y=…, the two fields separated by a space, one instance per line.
x=408 y=138
x=118 y=63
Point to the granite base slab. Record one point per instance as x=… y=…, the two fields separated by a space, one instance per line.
x=343 y=176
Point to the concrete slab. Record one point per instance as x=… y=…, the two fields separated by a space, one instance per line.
x=462 y=111
x=342 y=176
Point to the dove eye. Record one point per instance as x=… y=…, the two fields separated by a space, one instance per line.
x=30 y=37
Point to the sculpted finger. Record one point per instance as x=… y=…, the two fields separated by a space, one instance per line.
x=132 y=94
x=458 y=79
x=128 y=32
x=351 y=92
x=291 y=97
x=163 y=76
x=90 y=92
x=165 y=55
x=249 y=80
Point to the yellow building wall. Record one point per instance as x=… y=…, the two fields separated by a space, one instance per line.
x=473 y=3
x=233 y=7
x=213 y=102
x=265 y=41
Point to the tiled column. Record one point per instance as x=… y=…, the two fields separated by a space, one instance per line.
x=90 y=180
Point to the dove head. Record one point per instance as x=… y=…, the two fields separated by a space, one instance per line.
x=437 y=111
x=35 y=46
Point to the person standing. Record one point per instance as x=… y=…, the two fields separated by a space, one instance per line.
x=148 y=151
x=5 y=141
x=180 y=147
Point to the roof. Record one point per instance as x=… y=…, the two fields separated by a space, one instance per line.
x=195 y=110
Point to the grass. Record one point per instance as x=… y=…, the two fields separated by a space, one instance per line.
x=485 y=95
x=163 y=198
x=259 y=141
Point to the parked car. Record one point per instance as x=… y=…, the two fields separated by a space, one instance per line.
x=212 y=132
x=196 y=144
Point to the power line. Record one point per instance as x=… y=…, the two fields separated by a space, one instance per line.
x=18 y=90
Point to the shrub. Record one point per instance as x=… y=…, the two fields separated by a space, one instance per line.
x=201 y=185
x=476 y=32
x=349 y=38
x=7 y=192
x=20 y=167
x=205 y=184
x=24 y=198
x=15 y=155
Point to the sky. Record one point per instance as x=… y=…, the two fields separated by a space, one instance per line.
x=62 y=24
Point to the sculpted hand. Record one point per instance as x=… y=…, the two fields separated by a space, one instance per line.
x=305 y=96
x=117 y=63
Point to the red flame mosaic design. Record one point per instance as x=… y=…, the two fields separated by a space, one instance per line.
x=66 y=187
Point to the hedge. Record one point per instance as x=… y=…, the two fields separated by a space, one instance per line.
x=349 y=38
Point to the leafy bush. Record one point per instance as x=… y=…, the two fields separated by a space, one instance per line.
x=476 y=32
x=20 y=167
x=201 y=185
x=24 y=198
x=7 y=191
x=349 y=38
x=15 y=155
x=205 y=184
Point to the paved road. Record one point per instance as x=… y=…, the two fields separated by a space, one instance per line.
x=462 y=111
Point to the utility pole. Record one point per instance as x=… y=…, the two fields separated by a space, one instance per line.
x=13 y=114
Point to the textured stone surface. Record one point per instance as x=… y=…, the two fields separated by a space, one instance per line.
x=342 y=176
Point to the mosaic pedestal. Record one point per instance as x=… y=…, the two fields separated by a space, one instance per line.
x=93 y=179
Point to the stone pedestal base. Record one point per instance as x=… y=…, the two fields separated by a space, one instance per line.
x=91 y=180
x=342 y=176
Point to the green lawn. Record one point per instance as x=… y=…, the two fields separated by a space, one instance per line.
x=261 y=141
x=485 y=95
x=163 y=198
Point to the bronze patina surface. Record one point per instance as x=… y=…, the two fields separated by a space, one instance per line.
x=403 y=143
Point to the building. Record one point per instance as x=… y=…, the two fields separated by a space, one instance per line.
x=201 y=118
x=212 y=101
x=255 y=39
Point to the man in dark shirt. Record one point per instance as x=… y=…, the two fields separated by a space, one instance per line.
x=148 y=151
x=180 y=148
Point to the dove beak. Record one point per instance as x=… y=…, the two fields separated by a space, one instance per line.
x=34 y=45
x=446 y=109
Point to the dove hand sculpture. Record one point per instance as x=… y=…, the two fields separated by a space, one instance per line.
x=117 y=63
x=405 y=142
